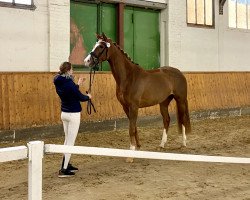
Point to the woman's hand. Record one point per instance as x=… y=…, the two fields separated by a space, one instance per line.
x=81 y=80
x=89 y=95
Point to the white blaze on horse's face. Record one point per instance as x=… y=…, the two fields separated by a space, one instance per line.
x=87 y=60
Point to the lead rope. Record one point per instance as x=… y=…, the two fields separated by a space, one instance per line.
x=90 y=105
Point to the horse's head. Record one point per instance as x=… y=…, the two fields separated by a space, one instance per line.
x=100 y=51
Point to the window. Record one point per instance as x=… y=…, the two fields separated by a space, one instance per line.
x=25 y=4
x=200 y=12
x=239 y=14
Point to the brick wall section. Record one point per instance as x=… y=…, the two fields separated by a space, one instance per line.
x=175 y=24
x=59 y=29
x=24 y=38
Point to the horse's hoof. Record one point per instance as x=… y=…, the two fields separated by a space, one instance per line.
x=129 y=160
x=160 y=148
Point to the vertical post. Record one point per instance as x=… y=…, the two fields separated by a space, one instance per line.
x=120 y=25
x=36 y=150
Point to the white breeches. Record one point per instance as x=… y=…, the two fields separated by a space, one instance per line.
x=71 y=123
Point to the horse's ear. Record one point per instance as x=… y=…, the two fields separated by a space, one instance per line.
x=98 y=36
x=104 y=37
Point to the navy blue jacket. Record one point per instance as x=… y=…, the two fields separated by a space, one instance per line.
x=69 y=94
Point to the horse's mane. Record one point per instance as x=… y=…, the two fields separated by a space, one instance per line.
x=124 y=53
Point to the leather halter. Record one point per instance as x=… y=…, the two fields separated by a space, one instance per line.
x=96 y=58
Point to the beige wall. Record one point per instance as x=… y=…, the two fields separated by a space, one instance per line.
x=34 y=40
x=39 y=40
x=24 y=38
x=59 y=32
x=204 y=49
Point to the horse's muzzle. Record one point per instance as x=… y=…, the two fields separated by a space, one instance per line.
x=88 y=61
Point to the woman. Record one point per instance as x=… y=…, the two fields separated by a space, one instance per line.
x=71 y=97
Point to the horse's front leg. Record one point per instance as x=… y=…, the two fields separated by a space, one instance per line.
x=134 y=139
x=138 y=144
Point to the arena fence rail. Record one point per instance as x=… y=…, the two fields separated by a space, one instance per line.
x=37 y=149
x=52 y=148
x=13 y=153
x=34 y=152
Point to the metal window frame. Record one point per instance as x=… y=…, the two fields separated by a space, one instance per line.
x=17 y=5
x=247 y=13
x=201 y=25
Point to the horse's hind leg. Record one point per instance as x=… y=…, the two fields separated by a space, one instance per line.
x=166 y=119
x=183 y=118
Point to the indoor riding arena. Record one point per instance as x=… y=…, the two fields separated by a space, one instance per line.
x=207 y=41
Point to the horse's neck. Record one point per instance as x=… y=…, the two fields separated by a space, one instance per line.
x=121 y=67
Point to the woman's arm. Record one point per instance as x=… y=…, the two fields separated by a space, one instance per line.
x=77 y=92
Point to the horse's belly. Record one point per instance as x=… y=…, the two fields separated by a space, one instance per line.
x=154 y=96
x=146 y=102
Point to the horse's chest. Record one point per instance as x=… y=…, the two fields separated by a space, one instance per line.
x=120 y=97
x=124 y=94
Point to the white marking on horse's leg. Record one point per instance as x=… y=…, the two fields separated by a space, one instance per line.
x=130 y=160
x=164 y=138
x=184 y=138
x=132 y=147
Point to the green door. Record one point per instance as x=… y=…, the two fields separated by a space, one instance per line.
x=108 y=26
x=141 y=32
x=83 y=26
x=142 y=36
x=86 y=20
x=129 y=32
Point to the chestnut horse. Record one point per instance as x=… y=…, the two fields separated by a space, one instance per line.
x=137 y=88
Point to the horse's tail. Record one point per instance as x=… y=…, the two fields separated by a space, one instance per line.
x=183 y=116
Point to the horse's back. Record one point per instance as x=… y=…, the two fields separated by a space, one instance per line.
x=173 y=79
x=168 y=72
x=171 y=70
